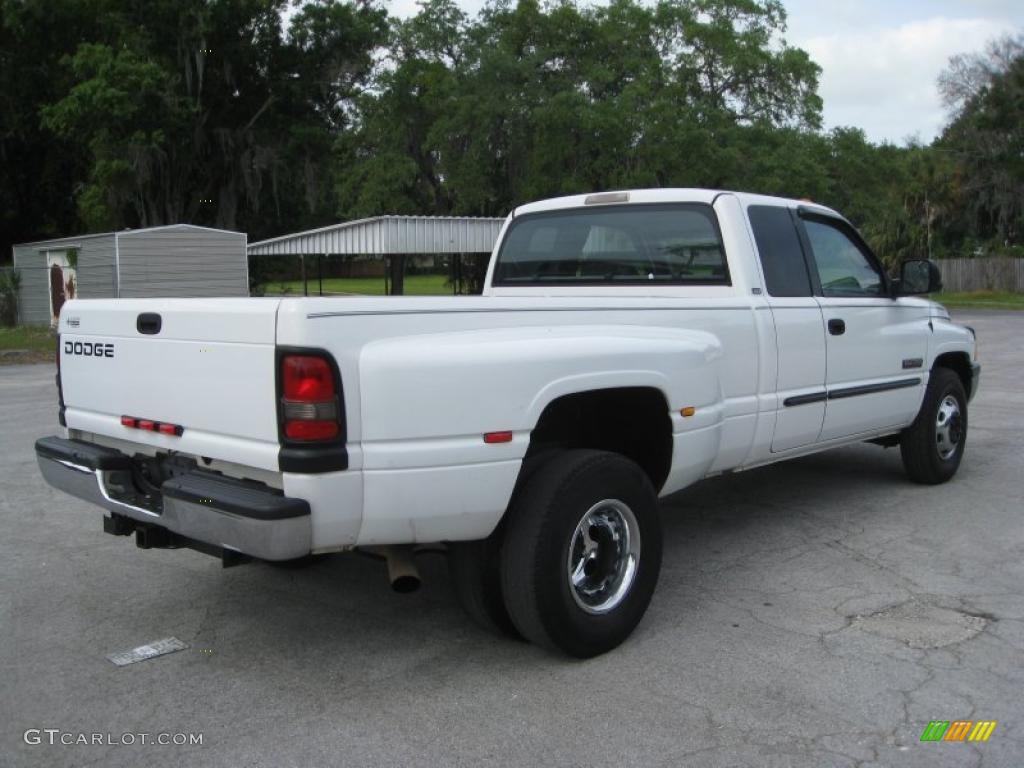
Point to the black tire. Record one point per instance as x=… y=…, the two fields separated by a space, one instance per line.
x=475 y=569
x=476 y=578
x=543 y=527
x=923 y=443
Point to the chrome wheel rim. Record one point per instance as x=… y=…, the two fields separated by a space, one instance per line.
x=603 y=556
x=949 y=427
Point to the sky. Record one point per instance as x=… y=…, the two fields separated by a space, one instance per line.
x=879 y=58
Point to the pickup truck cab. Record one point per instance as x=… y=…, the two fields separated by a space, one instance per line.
x=626 y=345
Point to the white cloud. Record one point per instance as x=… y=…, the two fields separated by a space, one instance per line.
x=403 y=9
x=883 y=79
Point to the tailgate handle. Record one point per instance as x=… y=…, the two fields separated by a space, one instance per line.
x=149 y=323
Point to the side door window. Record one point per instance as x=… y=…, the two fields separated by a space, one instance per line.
x=844 y=266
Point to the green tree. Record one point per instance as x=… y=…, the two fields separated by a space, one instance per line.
x=38 y=172
x=205 y=111
x=986 y=135
x=524 y=101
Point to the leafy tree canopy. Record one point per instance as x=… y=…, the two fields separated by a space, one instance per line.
x=269 y=116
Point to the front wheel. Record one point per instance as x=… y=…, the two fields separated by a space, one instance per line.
x=933 y=445
x=582 y=552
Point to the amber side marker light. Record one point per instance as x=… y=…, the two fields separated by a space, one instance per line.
x=688 y=411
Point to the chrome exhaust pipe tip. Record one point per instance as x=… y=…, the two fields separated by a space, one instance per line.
x=405 y=584
x=402 y=571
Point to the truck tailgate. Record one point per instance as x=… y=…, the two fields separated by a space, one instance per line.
x=210 y=369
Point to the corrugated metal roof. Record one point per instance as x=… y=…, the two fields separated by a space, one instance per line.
x=70 y=241
x=73 y=239
x=125 y=232
x=383 y=235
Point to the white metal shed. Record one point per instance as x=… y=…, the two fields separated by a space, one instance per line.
x=178 y=260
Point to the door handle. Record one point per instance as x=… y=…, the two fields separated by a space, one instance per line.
x=148 y=323
x=836 y=326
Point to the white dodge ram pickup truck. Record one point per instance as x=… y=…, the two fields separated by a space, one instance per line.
x=626 y=345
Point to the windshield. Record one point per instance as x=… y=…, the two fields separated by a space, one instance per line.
x=669 y=244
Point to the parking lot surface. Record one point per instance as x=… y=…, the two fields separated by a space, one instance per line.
x=816 y=612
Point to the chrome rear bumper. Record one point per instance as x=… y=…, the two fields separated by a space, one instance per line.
x=235 y=515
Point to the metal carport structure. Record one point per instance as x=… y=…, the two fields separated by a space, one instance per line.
x=390 y=237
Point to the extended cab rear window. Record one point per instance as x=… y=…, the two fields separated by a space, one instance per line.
x=782 y=257
x=668 y=244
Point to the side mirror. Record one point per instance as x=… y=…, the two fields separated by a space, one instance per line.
x=917 y=277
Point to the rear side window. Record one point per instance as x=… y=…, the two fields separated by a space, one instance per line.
x=673 y=244
x=778 y=244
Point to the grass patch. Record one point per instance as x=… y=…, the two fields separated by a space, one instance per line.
x=981 y=299
x=27 y=344
x=35 y=338
x=415 y=285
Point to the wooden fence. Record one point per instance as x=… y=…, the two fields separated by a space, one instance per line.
x=982 y=274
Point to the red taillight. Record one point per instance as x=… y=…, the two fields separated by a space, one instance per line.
x=310 y=430
x=307 y=379
x=129 y=421
x=309 y=399
x=146 y=424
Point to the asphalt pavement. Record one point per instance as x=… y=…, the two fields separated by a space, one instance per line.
x=817 y=612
